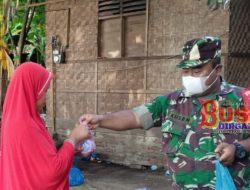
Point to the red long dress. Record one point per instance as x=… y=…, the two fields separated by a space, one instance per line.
x=29 y=159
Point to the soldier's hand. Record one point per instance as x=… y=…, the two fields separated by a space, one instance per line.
x=226 y=153
x=92 y=120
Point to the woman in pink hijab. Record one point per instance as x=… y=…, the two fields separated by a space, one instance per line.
x=29 y=159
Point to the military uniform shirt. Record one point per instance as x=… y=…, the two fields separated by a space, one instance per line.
x=188 y=143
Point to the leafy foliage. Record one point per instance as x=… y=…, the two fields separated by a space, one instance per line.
x=33 y=48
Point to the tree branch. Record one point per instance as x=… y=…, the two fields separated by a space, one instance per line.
x=23 y=34
x=30 y=20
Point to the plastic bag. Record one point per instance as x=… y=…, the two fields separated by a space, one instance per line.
x=88 y=145
x=76 y=177
x=224 y=180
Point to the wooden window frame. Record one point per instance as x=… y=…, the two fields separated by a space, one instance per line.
x=122 y=17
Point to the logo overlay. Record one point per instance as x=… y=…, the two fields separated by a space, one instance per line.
x=226 y=116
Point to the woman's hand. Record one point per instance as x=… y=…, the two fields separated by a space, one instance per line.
x=80 y=133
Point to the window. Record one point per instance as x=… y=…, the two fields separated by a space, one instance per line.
x=121 y=28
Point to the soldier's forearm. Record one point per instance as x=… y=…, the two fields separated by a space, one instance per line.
x=119 y=121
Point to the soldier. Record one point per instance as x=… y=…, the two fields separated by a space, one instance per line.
x=189 y=120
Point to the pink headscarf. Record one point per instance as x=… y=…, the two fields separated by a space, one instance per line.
x=29 y=159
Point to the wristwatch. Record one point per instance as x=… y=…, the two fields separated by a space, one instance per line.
x=240 y=151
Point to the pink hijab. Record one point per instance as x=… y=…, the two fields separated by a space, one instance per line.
x=29 y=159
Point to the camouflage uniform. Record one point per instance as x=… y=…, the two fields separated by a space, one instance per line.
x=188 y=145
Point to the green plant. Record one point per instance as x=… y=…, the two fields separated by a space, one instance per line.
x=25 y=35
x=35 y=46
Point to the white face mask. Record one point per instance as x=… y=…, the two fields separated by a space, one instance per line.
x=196 y=85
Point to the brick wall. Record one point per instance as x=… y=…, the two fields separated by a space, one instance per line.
x=86 y=84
